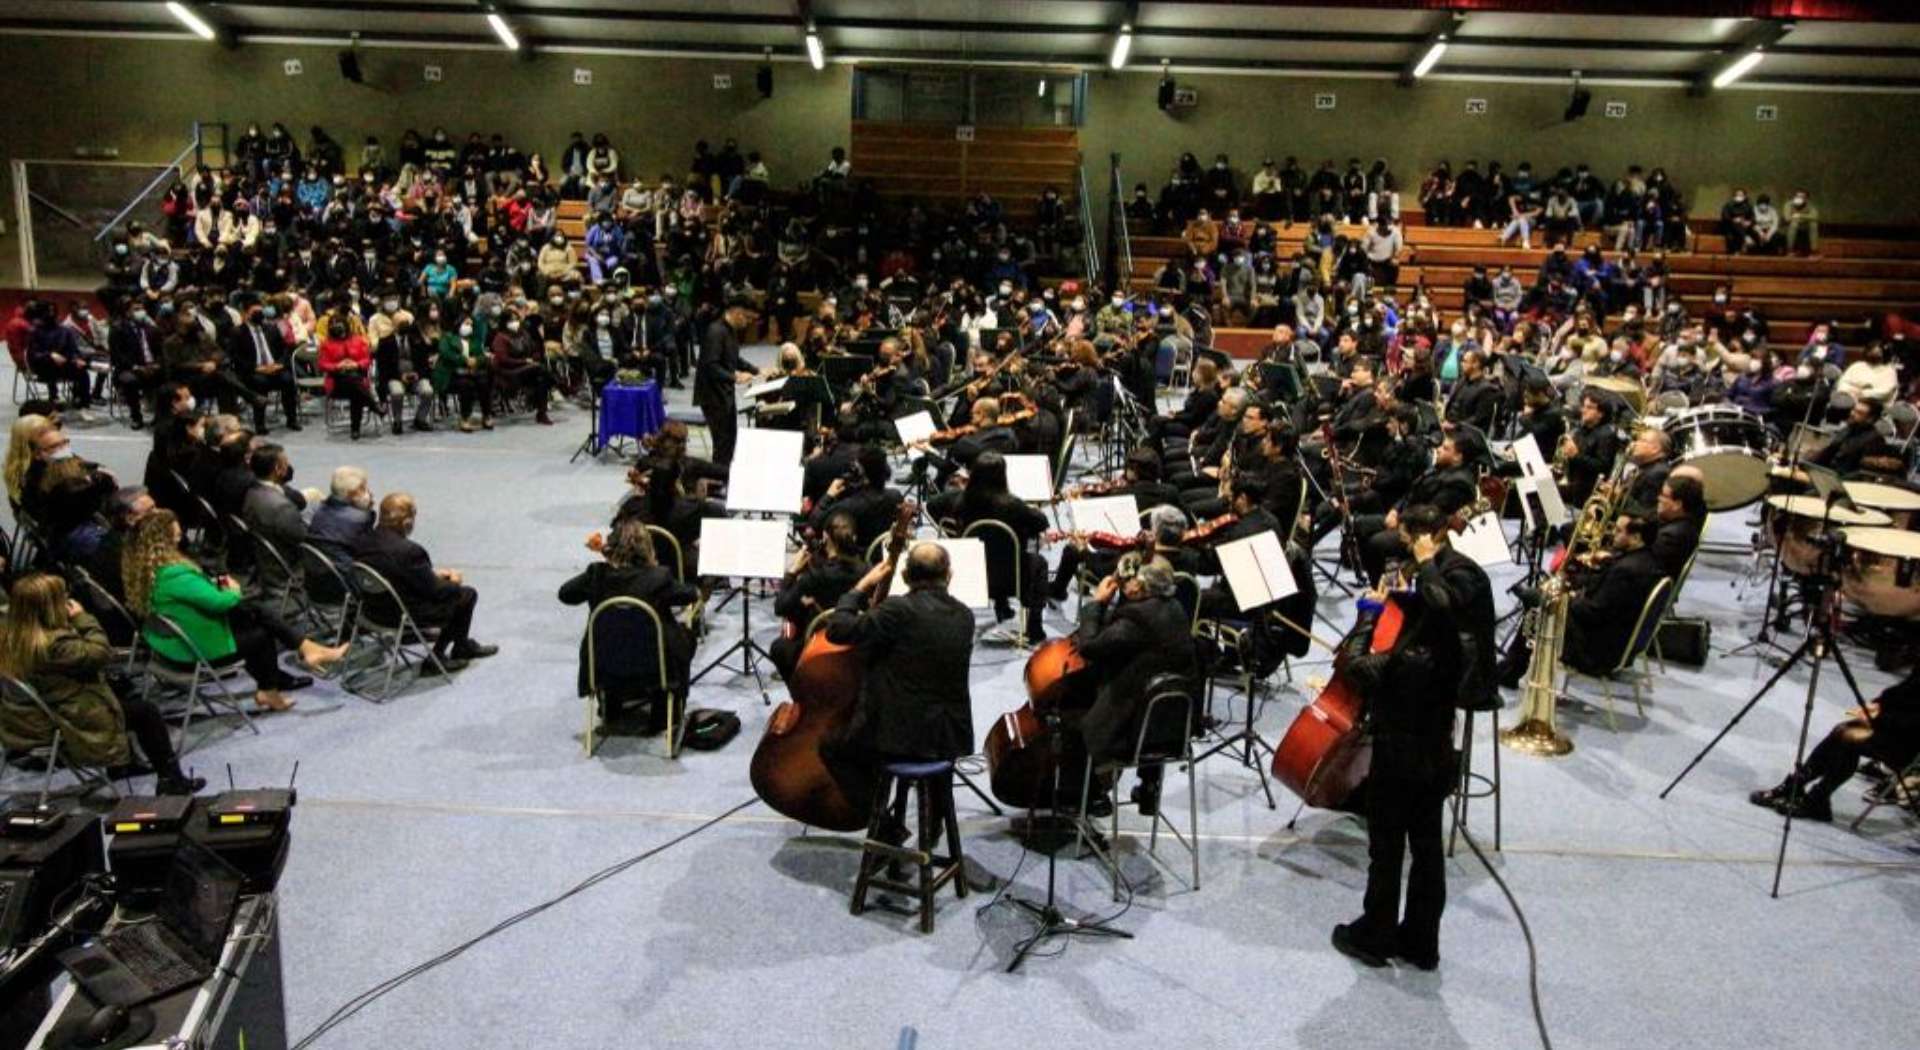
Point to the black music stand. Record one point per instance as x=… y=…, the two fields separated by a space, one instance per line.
x=751 y=652
x=843 y=372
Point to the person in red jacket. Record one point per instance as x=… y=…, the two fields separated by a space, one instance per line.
x=517 y=365
x=346 y=361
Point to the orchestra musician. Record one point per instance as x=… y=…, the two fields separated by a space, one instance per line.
x=985 y=497
x=1542 y=418
x=815 y=585
x=1859 y=445
x=1590 y=449
x=1888 y=730
x=1438 y=662
x=1681 y=509
x=914 y=703
x=1647 y=470
x=1132 y=632
x=1166 y=527
x=1450 y=486
x=1476 y=397
x=863 y=495
x=1604 y=609
x=983 y=433
x=631 y=569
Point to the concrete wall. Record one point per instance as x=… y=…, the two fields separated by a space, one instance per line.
x=1841 y=146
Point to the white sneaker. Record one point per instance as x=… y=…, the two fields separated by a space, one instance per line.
x=85 y=416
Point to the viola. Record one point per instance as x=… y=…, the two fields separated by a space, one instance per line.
x=1106 y=541
x=1019 y=747
x=1325 y=753
x=1202 y=532
x=787 y=770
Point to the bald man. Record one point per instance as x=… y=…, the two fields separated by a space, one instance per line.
x=914 y=698
x=434 y=597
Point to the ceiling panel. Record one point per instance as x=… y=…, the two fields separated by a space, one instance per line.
x=1316 y=19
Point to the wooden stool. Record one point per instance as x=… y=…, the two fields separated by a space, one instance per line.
x=1471 y=785
x=931 y=784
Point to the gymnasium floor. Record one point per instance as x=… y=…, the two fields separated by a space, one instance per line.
x=425 y=821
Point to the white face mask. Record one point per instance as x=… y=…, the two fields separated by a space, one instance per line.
x=1118 y=302
x=513 y=325
x=603 y=320
x=466 y=329
x=191 y=404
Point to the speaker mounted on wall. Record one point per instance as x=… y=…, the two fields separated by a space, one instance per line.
x=350 y=61
x=1578 y=102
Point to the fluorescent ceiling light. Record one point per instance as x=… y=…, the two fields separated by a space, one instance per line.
x=816 y=54
x=1432 y=58
x=1738 y=69
x=1122 y=44
x=192 y=21
x=503 y=31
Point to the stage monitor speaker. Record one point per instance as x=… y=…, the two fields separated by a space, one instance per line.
x=764 y=81
x=1577 y=105
x=350 y=66
x=1166 y=93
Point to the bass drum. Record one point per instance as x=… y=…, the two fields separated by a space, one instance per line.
x=1728 y=446
x=1882 y=573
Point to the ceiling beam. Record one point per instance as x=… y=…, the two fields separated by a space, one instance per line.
x=1807 y=10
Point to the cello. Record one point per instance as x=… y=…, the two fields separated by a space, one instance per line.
x=1019 y=748
x=1325 y=753
x=787 y=771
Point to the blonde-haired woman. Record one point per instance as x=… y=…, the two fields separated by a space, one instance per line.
x=20 y=449
x=221 y=623
x=55 y=647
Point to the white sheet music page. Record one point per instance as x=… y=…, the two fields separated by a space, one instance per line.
x=1029 y=478
x=1257 y=571
x=969 y=559
x=739 y=548
x=766 y=474
x=1119 y=515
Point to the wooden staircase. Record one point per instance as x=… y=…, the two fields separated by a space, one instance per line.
x=929 y=163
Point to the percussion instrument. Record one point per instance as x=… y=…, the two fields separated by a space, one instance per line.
x=1729 y=446
x=1627 y=388
x=1808 y=440
x=1882 y=571
x=1796 y=522
x=1900 y=504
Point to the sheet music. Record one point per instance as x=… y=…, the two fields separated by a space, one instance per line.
x=1535 y=474
x=915 y=427
x=1257 y=570
x=771 y=386
x=766 y=474
x=969 y=559
x=1119 y=515
x=1484 y=541
x=742 y=548
x=1029 y=477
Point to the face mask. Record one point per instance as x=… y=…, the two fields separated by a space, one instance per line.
x=602 y=320
x=190 y=404
x=65 y=453
x=466 y=329
x=1006 y=289
x=1118 y=302
x=513 y=325
x=120 y=249
x=1036 y=307
x=1617 y=357
x=440 y=260
x=140 y=316
x=860 y=282
x=1079 y=305
x=1753 y=365
x=390 y=305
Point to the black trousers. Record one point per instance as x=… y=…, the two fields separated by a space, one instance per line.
x=259 y=637
x=220 y=385
x=455 y=622
x=1404 y=817
x=472 y=387
x=358 y=400
x=267 y=385
x=149 y=730
x=723 y=426
x=137 y=387
x=74 y=374
x=1835 y=759
x=532 y=378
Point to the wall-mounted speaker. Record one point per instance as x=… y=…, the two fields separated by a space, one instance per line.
x=350 y=66
x=764 y=81
x=1577 y=105
x=1166 y=92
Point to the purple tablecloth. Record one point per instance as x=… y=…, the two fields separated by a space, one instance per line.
x=630 y=411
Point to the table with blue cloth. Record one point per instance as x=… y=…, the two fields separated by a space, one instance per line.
x=629 y=412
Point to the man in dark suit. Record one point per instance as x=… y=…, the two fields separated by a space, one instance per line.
x=1647 y=470
x=274 y=510
x=1604 y=609
x=1588 y=450
x=1450 y=485
x=988 y=436
x=914 y=697
x=1441 y=661
x=263 y=361
x=1476 y=399
x=434 y=597
x=1682 y=513
x=134 y=348
x=871 y=504
x=720 y=369
x=1126 y=645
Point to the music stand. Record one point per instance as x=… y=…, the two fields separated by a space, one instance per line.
x=843 y=371
x=1258 y=573
x=743 y=550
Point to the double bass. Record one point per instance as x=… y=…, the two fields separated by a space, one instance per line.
x=1325 y=753
x=1019 y=748
x=787 y=771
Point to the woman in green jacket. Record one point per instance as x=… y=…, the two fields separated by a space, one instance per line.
x=53 y=646
x=462 y=366
x=221 y=623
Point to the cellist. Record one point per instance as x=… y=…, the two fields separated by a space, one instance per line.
x=1443 y=654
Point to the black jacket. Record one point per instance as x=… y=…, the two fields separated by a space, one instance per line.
x=720 y=359
x=1448 y=490
x=1595 y=450
x=1675 y=543
x=654 y=585
x=1446 y=641
x=914 y=696
x=873 y=511
x=1476 y=402
x=825 y=581
x=242 y=352
x=1643 y=489
x=1126 y=646
x=1600 y=619
x=407 y=566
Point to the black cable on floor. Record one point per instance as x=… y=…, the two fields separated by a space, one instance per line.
x=368 y=997
x=1533 y=954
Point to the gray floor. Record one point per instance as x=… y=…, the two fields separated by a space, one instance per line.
x=427 y=820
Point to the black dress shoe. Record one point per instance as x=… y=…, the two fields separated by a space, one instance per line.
x=289 y=682
x=294 y=426
x=1100 y=807
x=180 y=785
x=1428 y=963
x=451 y=663
x=1807 y=807
x=1349 y=944
x=471 y=650
x=1147 y=800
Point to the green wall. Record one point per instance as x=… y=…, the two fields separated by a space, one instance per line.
x=1841 y=146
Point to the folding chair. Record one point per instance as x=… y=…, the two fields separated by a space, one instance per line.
x=1169 y=709
x=1644 y=629
x=405 y=647
x=624 y=653
x=18 y=694
x=994 y=533
x=113 y=616
x=668 y=542
x=1900 y=788
x=192 y=681
x=276 y=578
x=316 y=565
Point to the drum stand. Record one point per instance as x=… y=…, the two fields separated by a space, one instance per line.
x=1765 y=635
x=1819 y=644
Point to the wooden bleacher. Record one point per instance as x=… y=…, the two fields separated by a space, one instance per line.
x=1853 y=280
x=926 y=162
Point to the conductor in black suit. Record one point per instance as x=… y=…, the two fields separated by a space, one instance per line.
x=433 y=597
x=264 y=363
x=914 y=698
x=720 y=369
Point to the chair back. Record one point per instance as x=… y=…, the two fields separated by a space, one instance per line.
x=324 y=580
x=1004 y=554
x=666 y=549
x=16 y=693
x=625 y=642
x=1686 y=570
x=120 y=625
x=379 y=605
x=164 y=626
x=1186 y=591
x=1063 y=456
x=1166 y=723
x=270 y=561
x=1646 y=625
x=878 y=548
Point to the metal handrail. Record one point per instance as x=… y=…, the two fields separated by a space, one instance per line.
x=172 y=167
x=1089 y=246
x=1122 y=238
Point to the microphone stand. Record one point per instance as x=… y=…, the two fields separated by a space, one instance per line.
x=1052 y=922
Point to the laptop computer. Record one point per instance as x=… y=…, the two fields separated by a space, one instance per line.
x=178 y=947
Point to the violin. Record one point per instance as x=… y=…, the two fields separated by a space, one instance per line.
x=1106 y=541
x=787 y=770
x=1202 y=532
